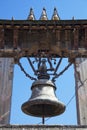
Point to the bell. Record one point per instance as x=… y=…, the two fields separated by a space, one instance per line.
x=43 y=101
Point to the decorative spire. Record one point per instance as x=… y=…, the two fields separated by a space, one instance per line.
x=43 y=15
x=31 y=15
x=73 y=18
x=55 y=15
x=12 y=18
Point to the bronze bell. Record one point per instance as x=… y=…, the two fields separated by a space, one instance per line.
x=43 y=101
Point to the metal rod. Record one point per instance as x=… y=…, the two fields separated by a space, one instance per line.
x=39 y=63
x=32 y=65
x=43 y=119
x=51 y=67
x=56 y=76
x=58 y=65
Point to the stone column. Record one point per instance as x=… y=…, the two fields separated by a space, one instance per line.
x=81 y=90
x=6 y=80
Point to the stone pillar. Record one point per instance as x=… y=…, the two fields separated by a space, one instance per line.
x=6 y=80
x=81 y=90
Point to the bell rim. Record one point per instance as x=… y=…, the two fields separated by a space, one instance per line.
x=47 y=102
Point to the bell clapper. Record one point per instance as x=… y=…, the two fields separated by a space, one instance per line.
x=43 y=118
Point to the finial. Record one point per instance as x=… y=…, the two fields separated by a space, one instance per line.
x=73 y=18
x=43 y=70
x=55 y=15
x=31 y=15
x=12 y=18
x=43 y=15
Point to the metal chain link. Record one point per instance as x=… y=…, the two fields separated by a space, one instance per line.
x=22 y=69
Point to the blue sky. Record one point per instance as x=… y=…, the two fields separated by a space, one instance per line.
x=19 y=9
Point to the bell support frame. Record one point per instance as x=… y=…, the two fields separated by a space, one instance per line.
x=58 y=38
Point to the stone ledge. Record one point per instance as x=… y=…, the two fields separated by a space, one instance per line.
x=32 y=127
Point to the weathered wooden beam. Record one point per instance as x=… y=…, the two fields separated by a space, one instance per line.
x=76 y=39
x=56 y=38
x=86 y=37
x=1 y=37
x=15 y=38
